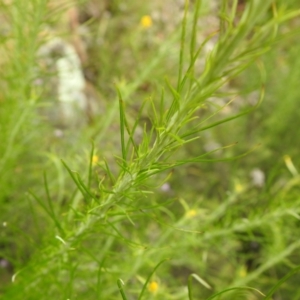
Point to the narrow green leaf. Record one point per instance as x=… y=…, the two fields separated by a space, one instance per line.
x=234 y=289
x=91 y=166
x=48 y=195
x=281 y=281
x=162 y=107
x=149 y=277
x=120 y=284
x=108 y=171
x=74 y=179
x=85 y=188
x=182 y=44
x=122 y=127
x=175 y=103
x=194 y=29
x=50 y=214
x=200 y=280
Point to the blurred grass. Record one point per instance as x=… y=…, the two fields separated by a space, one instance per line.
x=209 y=219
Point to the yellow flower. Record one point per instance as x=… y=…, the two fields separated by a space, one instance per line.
x=238 y=187
x=242 y=272
x=191 y=213
x=146 y=21
x=153 y=287
x=95 y=159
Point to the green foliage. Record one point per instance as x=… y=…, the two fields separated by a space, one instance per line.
x=159 y=205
